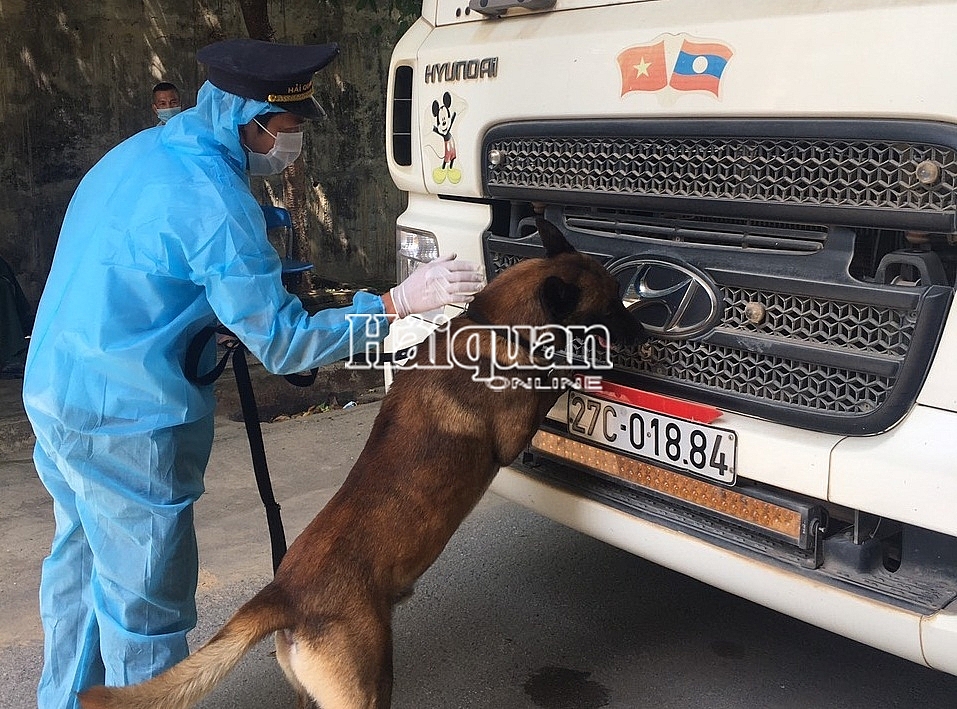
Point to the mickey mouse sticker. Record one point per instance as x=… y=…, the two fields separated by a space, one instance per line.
x=443 y=117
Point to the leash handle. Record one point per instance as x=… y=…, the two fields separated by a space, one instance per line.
x=194 y=352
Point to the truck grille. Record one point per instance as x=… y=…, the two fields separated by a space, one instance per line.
x=838 y=364
x=774 y=221
x=869 y=172
x=811 y=386
x=854 y=327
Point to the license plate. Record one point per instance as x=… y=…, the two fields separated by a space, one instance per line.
x=686 y=446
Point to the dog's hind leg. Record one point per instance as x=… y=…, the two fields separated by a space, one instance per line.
x=342 y=667
x=284 y=647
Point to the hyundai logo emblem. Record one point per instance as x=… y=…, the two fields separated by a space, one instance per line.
x=672 y=299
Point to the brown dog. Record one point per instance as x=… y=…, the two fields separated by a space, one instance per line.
x=438 y=440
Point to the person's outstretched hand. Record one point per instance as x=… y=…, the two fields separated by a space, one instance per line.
x=437 y=283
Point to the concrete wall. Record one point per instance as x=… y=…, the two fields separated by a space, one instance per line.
x=75 y=80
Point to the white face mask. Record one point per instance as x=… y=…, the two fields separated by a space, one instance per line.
x=284 y=152
x=164 y=114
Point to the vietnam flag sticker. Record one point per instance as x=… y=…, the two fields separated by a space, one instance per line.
x=643 y=68
x=699 y=66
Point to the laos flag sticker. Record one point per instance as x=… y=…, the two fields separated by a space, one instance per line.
x=698 y=66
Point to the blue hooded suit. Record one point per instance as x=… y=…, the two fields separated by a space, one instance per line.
x=162 y=238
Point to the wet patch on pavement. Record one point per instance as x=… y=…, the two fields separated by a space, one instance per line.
x=562 y=688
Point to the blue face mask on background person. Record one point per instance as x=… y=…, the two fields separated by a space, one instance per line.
x=284 y=152
x=165 y=114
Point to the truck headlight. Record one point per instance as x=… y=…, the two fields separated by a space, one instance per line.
x=414 y=247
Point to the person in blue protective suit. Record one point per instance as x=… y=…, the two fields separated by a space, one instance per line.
x=162 y=238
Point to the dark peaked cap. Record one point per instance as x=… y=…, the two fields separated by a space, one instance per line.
x=280 y=74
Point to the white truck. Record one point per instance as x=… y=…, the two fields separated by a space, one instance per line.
x=773 y=184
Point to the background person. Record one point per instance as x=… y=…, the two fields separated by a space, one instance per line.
x=145 y=260
x=166 y=101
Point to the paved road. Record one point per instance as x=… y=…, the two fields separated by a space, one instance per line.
x=518 y=613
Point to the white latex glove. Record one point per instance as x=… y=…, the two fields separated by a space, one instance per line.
x=437 y=283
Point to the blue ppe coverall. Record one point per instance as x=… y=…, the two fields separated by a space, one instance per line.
x=162 y=238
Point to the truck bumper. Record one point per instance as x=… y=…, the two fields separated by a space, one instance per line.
x=930 y=640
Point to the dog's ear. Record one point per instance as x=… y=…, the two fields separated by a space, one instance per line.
x=554 y=241
x=559 y=298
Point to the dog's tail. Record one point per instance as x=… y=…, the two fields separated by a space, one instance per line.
x=187 y=682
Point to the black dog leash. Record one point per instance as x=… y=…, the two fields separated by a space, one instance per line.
x=247 y=400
